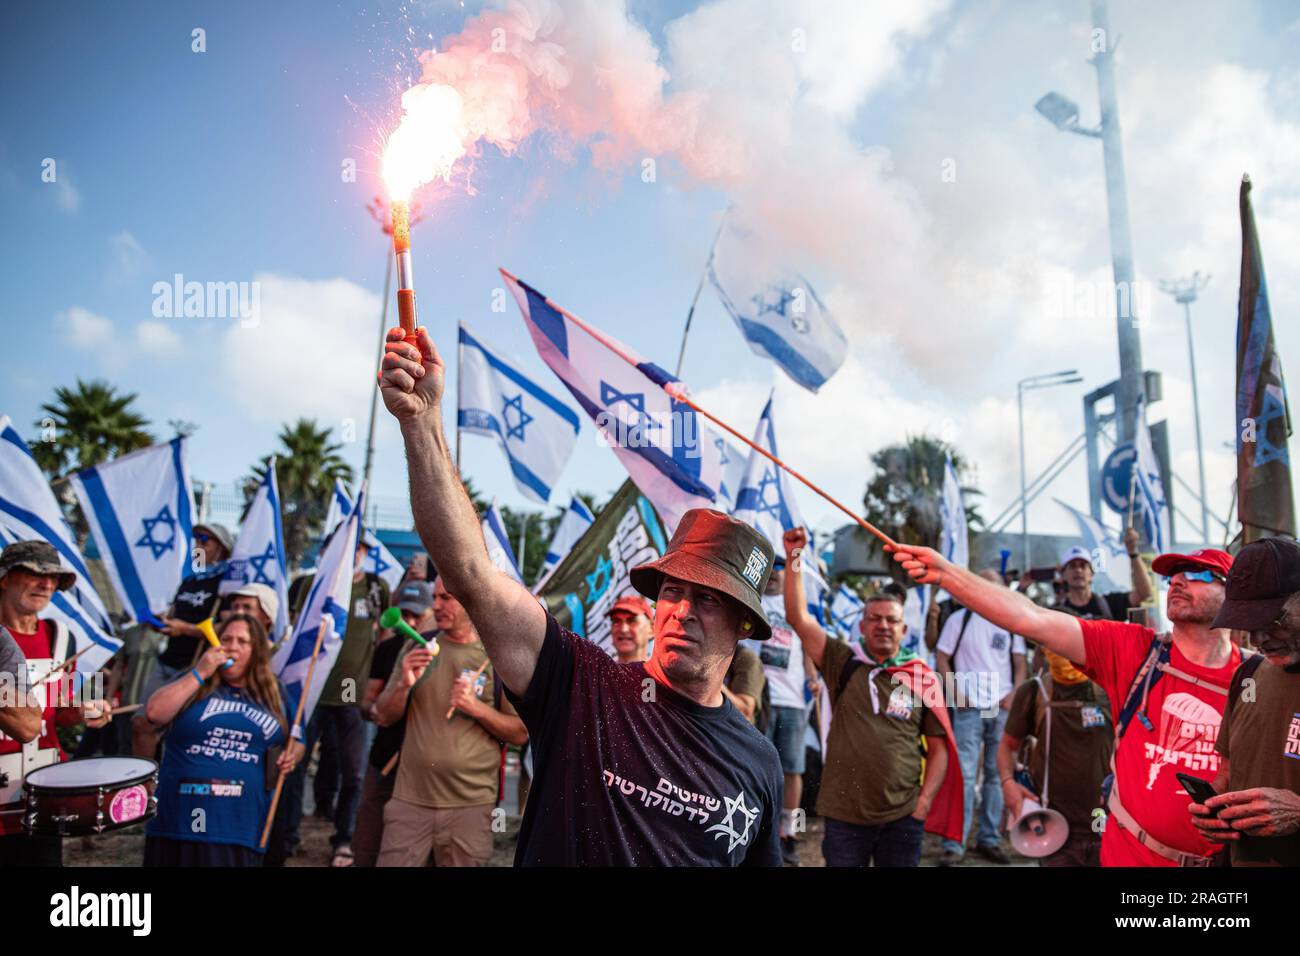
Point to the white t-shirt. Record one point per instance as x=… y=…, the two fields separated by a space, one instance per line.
x=982 y=667
x=782 y=656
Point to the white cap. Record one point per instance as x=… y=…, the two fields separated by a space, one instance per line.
x=1075 y=554
x=265 y=597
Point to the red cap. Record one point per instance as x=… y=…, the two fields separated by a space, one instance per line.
x=1211 y=559
x=634 y=604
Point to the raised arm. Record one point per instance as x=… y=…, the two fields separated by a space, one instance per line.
x=509 y=621
x=796 y=604
x=1142 y=591
x=1007 y=609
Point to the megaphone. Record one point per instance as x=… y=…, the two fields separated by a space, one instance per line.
x=1038 y=832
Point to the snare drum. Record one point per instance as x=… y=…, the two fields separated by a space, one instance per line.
x=90 y=796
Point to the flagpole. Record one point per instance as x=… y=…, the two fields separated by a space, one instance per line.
x=679 y=395
x=459 y=398
x=297 y=719
x=374 y=396
x=681 y=355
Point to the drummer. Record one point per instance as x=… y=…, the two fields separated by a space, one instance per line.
x=225 y=730
x=30 y=573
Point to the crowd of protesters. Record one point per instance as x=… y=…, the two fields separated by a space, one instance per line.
x=718 y=685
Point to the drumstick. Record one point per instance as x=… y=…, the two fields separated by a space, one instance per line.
x=392 y=762
x=62 y=668
x=482 y=667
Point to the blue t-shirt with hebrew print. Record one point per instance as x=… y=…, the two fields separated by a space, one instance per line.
x=212 y=787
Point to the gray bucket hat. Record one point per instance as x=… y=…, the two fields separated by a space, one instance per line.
x=38 y=557
x=220 y=532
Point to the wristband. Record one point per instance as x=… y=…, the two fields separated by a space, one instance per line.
x=197 y=676
x=1006 y=780
x=1132 y=555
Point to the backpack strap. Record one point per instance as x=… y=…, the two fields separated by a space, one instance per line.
x=961 y=632
x=1146 y=676
x=850 y=668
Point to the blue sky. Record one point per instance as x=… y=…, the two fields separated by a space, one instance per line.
x=226 y=166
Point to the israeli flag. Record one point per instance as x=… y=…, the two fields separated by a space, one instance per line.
x=258 y=557
x=954 y=538
x=327 y=603
x=1150 y=489
x=765 y=498
x=498 y=543
x=535 y=429
x=573 y=525
x=661 y=442
x=846 y=610
x=140 y=510
x=1110 y=564
x=378 y=560
x=776 y=308
x=734 y=461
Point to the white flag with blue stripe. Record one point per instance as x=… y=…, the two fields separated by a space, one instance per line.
x=328 y=602
x=498 y=543
x=378 y=560
x=535 y=429
x=575 y=521
x=258 y=556
x=846 y=610
x=765 y=498
x=954 y=537
x=661 y=442
x=30 y=512
x=734 y=460
x=1110 y=564
x=140 y=510
x=1150 y=489
x=776 y=308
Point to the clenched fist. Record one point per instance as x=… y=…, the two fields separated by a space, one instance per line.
x=411 y=382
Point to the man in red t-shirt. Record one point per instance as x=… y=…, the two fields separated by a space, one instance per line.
x=1179 y=703
x=30 y=572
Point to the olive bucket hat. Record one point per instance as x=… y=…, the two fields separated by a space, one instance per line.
x=38 y=557
x=715 y=551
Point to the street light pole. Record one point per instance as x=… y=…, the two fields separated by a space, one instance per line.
x=1184 y=292
x=1064 y=114
x=1068 y=377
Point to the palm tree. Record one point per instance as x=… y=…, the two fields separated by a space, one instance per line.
x=902 y=498
x=86 y=426
x=306 y=466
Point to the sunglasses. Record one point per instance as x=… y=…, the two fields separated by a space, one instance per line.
x=1205 y=577
x=202 y=537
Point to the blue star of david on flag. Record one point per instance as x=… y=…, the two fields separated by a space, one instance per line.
x=598 y=581
x=516 y=428
x=259 y=563
x=375 y=559
x=156 y=547
x=611 y=396
x=1265 y=450
x=769 y=503
x=723 y=458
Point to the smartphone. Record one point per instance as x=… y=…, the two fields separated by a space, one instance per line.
x=1042 y=574
x=1199 y=790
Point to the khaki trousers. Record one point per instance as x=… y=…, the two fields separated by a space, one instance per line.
x=460 y=836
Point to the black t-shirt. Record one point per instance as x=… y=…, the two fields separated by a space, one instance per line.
x=195 y=601
x=630 y=773
x=388 y=740
x=1100 y=607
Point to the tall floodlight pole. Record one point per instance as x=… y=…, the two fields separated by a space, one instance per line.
x=1064 y=114
x=1050 y=380
x=1184 y=292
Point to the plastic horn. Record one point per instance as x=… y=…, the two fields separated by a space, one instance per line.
x=210 y=633
x=392 y=620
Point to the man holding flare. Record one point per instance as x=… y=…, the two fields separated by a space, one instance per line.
x=638 y=763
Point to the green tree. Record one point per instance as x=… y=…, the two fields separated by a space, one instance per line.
x=306 y=466
x=87 y=425
x=903 y=496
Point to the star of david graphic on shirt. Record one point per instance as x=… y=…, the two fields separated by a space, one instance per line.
x=727 y=826
x=151 y=538
x=521 y=420
x=259 y=563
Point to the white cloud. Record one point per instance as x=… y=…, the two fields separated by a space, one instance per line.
x=129 y=257
x=83 y=328
x=312 y=353
x=157 y=338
